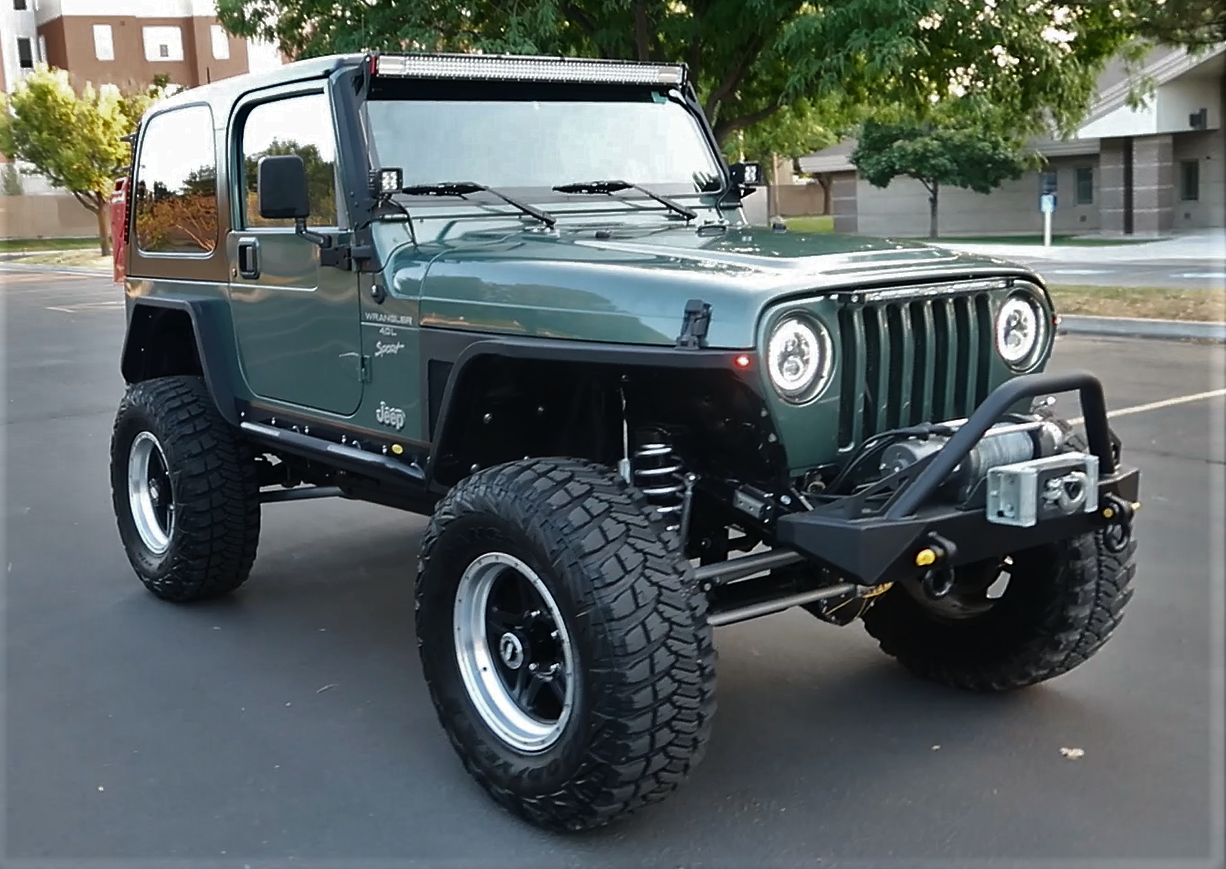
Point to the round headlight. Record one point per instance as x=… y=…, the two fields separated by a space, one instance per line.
x=798 y=358
x=1018 y=330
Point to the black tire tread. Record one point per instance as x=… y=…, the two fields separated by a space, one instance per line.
x=216 y=488
x=657 y=667
x=1084 y=606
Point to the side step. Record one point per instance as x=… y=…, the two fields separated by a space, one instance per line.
x=336 y=455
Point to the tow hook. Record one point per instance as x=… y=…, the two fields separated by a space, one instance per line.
x=937 y=581
x=1119 y=515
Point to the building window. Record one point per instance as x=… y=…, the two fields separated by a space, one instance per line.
x=25 y=53
x=163 y=44
x=104 y=44
x=1085 y=185
x=221 y=42
x=176 y=184
x=299 y=125
x=1189 y=180
x=19 y=5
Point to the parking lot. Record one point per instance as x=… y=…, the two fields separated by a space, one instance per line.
x=289 y=725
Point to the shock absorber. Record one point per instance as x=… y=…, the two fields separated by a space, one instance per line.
x=658 y=474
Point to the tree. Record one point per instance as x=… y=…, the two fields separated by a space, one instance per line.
x=10 y=183
x=1193 y=24
x=951 y=150
x=751 y=59
x=75 y=141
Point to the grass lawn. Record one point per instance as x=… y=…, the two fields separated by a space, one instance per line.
x=811 y=223
x=17 y=245
x=87 y=258
x=1056 y=240
x=1150 y=302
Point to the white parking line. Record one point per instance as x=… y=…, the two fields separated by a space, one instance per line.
x=1158 y=405
x=1218 y=275
x=82 y=307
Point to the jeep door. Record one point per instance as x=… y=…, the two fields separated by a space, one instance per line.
x=296 y=323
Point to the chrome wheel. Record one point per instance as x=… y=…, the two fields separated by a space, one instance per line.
x=514 y=653
x=149 y=493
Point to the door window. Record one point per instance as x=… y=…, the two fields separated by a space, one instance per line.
x=299 y=125
x=176 y=184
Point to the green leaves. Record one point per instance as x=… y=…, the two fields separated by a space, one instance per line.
x=75 y=141
x=946 y=148
x=971 y=156
x=1034 y=61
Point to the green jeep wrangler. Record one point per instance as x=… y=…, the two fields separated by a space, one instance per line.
x=519 y=296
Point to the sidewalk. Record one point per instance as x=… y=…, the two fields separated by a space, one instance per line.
x=1205 y=246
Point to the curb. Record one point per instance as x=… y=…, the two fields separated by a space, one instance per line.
x=1131 y=327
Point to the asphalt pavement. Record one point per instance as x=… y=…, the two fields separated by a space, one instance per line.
x=288 y=725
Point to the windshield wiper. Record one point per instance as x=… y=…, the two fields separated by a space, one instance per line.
x=462 y=188
x=614 y=186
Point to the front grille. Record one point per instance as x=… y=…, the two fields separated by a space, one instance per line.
x=904 y=363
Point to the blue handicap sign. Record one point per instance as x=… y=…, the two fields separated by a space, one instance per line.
x=1047 y=203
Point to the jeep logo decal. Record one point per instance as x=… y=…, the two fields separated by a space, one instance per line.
x=390 y=416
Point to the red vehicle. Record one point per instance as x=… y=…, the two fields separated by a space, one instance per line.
x=119 y=240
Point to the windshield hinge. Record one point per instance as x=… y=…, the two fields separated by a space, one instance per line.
x=694 y=324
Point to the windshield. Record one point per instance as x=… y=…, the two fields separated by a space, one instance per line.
x=538 y=142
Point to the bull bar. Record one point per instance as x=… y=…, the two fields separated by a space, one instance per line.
x=870 y=543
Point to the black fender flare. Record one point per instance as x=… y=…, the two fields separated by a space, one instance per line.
x=213 y=331
x=470 y=351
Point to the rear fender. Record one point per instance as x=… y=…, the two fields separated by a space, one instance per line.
x=183 y=336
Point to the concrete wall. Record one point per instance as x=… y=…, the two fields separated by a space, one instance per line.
x=1209 y=150
x=1012 y=209
x=53 y=216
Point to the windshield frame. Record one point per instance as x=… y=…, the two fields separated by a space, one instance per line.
x=380 y=89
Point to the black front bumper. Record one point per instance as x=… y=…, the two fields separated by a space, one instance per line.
x=881 y=545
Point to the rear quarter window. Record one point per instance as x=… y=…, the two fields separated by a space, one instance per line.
x=175 y=189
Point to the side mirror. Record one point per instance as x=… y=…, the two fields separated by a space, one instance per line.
x=281 y=188
x=748 y=174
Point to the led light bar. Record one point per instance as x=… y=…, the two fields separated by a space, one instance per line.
x=513 y=67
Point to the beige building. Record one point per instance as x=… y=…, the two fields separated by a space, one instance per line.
x=1152 y=171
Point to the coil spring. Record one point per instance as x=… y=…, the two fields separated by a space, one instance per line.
x=657 y=474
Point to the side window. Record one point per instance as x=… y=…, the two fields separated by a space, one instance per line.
x=299 y=125
x=176 y=184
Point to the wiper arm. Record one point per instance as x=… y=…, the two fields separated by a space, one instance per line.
x=614 y=186
x=462 y=188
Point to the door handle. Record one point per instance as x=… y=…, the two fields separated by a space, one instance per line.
x=249 y=258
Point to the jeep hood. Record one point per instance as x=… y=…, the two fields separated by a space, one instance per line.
x=632 y=288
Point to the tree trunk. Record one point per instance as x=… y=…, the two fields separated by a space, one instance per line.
x=932 y=213
x=104 y=228
x=827 y=196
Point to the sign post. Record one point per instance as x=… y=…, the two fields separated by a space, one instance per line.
x=1047 y=204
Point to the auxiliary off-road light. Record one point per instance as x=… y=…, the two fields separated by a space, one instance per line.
x=1019 y=331
x=798 y=358
x=387 y=181
x=504 y=67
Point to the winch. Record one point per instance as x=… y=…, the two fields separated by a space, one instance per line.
x=1003 y=444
